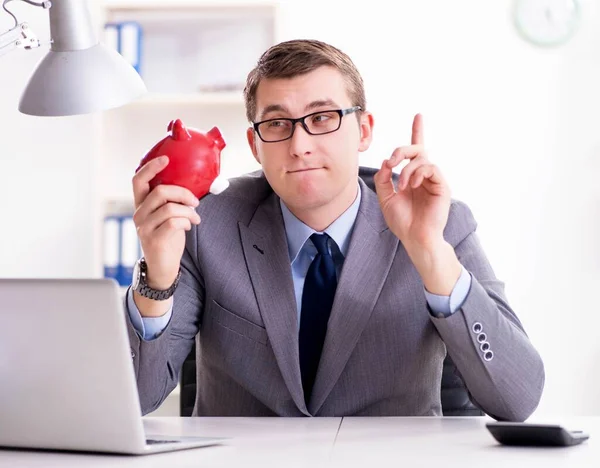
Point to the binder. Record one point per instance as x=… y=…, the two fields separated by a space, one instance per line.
x=126 y=38
x=111 y=251
x=130 y=43
x=129 y=250
x=111 y=36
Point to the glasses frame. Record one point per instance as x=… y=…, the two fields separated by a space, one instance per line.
x=301 y=120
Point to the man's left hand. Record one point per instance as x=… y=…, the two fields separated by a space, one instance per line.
x=417 y=212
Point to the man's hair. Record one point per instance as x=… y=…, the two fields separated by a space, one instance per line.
x=298 y=57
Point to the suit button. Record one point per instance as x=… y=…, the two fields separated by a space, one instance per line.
x=481 y=337
x=477 y=327
x=488 y=356
x=484 y=346
x=132 y=355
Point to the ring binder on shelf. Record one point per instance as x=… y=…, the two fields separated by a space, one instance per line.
x=126 y=38
x=130 y=250
x=111 y=251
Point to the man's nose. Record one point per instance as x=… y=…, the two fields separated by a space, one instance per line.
x=301 y=141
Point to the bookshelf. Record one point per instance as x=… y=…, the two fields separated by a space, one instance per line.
x=194 y=59
x=195 y=56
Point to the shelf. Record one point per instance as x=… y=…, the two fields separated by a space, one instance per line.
x=194 y=57
x=225 y=98
x=184 y=4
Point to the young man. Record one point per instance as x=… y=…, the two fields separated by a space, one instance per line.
x=309 y=293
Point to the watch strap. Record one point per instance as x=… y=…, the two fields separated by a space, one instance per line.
x=156 y=294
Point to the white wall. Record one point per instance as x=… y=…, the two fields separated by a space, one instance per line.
x=513 y=129
x=511 y=126
x=45 y=221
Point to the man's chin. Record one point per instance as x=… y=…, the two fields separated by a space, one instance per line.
x=306 y=201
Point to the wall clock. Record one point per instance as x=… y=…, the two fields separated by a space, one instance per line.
x=547 y=23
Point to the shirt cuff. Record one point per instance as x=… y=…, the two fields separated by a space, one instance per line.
x=445 y=306
x=148 y=328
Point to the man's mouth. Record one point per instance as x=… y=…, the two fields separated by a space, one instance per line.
x=308 y=169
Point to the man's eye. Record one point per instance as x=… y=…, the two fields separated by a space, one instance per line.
x=321 y=118
x=277 y=123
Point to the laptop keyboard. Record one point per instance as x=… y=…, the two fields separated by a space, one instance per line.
x=161 y=441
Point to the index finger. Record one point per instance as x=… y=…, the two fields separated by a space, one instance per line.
x=417 y=130
x=143 y=176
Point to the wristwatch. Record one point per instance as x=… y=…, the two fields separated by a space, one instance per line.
x=140 y=285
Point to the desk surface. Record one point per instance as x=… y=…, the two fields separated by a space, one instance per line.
x=371 y=442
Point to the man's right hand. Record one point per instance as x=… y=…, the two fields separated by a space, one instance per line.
x=161 y=218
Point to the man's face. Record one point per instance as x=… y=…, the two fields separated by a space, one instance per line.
x=310 y=171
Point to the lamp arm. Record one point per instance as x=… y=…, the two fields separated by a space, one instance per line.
x=20 y=36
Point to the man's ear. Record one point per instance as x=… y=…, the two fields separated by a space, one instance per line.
x=251 y=137
x=365 y=123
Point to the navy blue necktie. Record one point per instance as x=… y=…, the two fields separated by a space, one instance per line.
x=317 y=299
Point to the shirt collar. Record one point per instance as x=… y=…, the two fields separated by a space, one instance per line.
x=297 y=232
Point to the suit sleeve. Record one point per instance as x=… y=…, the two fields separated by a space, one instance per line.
x=501 y=369
x=158 y=362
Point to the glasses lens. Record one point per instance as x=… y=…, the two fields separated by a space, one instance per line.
x=274 y=130
x=323 y=122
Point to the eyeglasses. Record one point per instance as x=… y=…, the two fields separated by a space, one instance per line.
x=317 y=123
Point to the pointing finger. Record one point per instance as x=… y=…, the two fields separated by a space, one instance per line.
x=417 y=130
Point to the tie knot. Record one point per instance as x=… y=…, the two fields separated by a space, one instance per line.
x=320 y=242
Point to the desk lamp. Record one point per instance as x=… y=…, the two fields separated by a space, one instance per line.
x=79 y=75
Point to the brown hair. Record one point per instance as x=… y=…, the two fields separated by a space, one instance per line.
x=297 y=57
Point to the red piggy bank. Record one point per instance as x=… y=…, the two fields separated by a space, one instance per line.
x=194 y=159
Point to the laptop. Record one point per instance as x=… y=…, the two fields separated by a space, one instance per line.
x=67 y=379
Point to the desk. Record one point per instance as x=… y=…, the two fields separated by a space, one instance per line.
x=255 y=442
x=453 y=443
x=333 y=442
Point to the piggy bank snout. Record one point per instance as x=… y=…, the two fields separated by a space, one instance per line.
x=218 y=185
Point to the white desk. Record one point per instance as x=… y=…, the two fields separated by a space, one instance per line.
x=453 y=443
x=255 y=442
x=333 y=442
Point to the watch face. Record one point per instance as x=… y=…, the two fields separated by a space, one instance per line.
x=135 y=280
x=547 y=22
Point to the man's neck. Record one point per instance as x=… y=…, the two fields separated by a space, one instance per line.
x=322 y=217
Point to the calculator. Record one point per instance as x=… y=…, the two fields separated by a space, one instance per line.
x=535 y=435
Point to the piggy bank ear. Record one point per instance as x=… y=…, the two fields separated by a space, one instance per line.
x=215 y=135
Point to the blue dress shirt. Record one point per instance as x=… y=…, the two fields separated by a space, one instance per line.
x=301 y=255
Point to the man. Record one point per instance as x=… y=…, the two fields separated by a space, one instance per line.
x=307 y=292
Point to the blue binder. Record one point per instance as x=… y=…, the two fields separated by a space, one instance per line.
x=129 y=250
x=121 y=248
x=111 y=251
x=126 y=38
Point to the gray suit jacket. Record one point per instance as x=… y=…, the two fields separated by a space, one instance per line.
x=383 y=351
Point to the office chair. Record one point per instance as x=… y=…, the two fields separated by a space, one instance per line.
x=455 y=397
x=187 y=384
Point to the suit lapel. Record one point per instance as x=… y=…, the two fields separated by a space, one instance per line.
x=265 y=248
x=369 y=259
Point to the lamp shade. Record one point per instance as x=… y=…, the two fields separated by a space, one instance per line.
x=80 y=82
x=79 y=75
